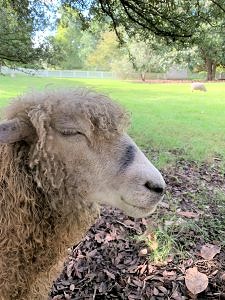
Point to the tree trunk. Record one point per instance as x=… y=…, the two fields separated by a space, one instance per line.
x=211 y=69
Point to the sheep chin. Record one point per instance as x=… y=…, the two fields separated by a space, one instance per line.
x=136 y=211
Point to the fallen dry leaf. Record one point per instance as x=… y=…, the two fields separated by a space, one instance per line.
x=169 y=275
x=196 y=282
x=208 y=251
x=142 y=270
x=137 y=282
x=109 y=274
x=214 y=273
x=72 y=287
x=151 y=269
x=143 y=252
x=223 y=277
x=155 y=291
x=188 y=214
x=176 y=296
x=162 y=289
x=57 y=297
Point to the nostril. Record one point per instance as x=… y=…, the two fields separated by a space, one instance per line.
x=154 y=187
x=158 y=189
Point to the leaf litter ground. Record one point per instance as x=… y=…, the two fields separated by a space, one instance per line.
x=126 y=258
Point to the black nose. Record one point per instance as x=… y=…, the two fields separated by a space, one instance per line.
x=159 y=189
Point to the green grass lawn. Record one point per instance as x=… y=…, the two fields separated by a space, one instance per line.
x=167 y=118
x=171 y=124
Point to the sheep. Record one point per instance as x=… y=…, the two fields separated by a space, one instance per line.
x=198 y=86
x=63 y=153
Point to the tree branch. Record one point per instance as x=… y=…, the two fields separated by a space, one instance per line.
x=217 y=4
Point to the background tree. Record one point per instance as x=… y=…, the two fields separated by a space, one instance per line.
x=198 y=24
x=148 y=56
x=73 y=43
x=67 y=41
x=204 y=51
x=90 y=39
x=210 y=44
x=105 y=53
x=19 y=20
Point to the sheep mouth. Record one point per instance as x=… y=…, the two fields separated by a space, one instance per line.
x=138 y=207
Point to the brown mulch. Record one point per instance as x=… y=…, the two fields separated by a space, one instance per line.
x=112 y=262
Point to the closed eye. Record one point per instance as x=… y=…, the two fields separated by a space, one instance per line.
x=68 y=132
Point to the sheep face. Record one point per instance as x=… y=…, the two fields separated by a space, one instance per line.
x=129 y=182
x=115 y=172
x=78 y=141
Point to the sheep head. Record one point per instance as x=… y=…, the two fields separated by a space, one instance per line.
x=77 y=139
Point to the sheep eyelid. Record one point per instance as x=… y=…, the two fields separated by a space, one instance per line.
x=70 y=133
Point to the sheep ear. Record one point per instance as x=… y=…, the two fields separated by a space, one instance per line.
x=13 y=130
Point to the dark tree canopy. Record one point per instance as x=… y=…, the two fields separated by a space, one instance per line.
x=19 y=22
x=175 y=19
x=171 y=19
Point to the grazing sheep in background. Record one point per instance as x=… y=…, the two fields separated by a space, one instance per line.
x=62 y=153
x=198 y=86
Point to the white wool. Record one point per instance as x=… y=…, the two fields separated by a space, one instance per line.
x=198 y=86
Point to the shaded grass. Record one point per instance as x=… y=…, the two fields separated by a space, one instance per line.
x=166 y=117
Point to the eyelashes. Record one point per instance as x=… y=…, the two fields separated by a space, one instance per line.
x=69 y=132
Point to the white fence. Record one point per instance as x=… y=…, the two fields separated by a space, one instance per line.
x=58 y=73
x=171 y=74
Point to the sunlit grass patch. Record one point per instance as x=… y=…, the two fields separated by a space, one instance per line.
x=159 y=244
